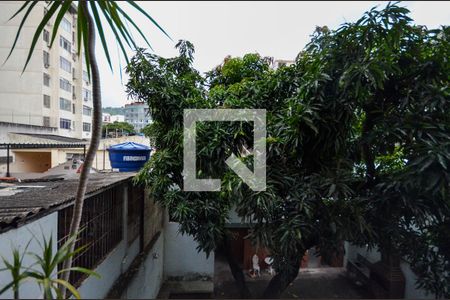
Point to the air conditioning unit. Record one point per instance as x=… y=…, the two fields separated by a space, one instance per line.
x=48 y=44
x=46 y=66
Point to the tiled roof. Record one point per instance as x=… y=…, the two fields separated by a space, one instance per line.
x=43 y=197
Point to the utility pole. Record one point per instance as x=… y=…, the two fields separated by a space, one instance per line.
x=7 y=161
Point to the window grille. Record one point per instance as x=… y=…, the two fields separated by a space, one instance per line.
x=102 y=229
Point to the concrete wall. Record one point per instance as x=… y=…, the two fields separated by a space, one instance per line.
x=181 y=257
x=146 y=283
x=30 y=161
x=411 y=292
x=5 y=136
x=19 y=238
x=113 y=265
x=109 y=270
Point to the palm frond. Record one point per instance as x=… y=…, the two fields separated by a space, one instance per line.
x=25 y=17
x=54 y=7
x=65 y=6
x=102 y=10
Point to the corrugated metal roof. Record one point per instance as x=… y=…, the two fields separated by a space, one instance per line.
x=44 y=196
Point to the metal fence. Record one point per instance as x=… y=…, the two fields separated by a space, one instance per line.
x=102 y=229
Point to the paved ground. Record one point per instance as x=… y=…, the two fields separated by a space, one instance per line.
x=191 y=289
x=313 y=283
x=319 y=282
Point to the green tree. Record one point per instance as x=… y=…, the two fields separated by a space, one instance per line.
x=395 y=75
x=90 y=16
x=357 y=146
x=293 y=214
x=122 y=127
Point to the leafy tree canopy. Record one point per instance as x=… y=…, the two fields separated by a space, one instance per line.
x=125 y=126
x=358 y=145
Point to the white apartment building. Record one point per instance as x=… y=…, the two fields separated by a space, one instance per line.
x=54 y=92
x=108 y=118
x=136 y=113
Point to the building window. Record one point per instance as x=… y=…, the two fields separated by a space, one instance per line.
x=46 y=101
x=73 y=108
x=65 y=44
x=46 y=59
x=64 y=84
x=86 y=76
x=46 y=36
x=65 y=64
x=46 y=79
x=87 y=95
x=64 y=123
x=86 y=127
x=66 y=25
x=65 y=104
x=46 y=121
x=87 y=111
x=102 y=222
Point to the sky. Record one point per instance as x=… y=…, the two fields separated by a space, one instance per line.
x=217 y=29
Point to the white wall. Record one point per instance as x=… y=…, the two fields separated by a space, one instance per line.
x=19 y=238
x=109 y=270
x=411 y=292
x=181 y=257
x=146 y=283
x=5 y=136
x=113 y=265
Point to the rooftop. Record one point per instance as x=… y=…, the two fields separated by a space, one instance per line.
x=136 y=104
x=22 y=201
x=52 y=137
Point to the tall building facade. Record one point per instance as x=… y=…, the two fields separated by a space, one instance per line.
x=54 y=91
x=136 y=113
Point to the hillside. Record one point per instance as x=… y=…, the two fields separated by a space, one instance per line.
x=114 y=110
